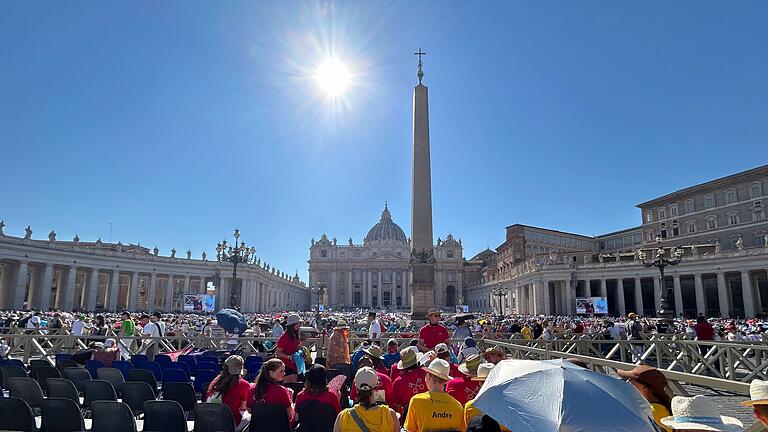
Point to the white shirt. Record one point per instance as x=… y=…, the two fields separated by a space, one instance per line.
x=32 y=321
x=277 y=330
x=374 y=331
x=77 y=328
x=153 y=329
x=615 y=332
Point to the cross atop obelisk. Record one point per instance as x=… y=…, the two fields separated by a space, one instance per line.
x=420 y=73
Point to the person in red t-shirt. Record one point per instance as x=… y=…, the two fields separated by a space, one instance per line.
x=267 y=389
x=463 y=388
x=287 y=345
x=231 y=388
x=410 y=382
x=315 y=392
x=433 y=332
x=385 y=383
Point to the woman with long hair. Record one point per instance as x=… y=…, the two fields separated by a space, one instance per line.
x=266 y=387
x=375 y=417
x=231 y=389
x=288 y=345
x=652 y=384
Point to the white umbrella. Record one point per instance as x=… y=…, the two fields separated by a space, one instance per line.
x=558 y=396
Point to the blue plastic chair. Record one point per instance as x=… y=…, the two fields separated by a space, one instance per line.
x=206 y=358
x=139 y=360
x=123 y=366
x=163 y=359
x=177 y=365
x=175 y=375
x=202 y=377
x=191 y=361
x=157 y=371
x=93 y=366
x=207 y=365
x=62 y=357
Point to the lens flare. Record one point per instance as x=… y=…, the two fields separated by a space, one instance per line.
x=332 y=77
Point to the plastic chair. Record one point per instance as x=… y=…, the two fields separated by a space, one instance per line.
x=164 y=415
x=176 y=365
x=202 y=364
x=77 y=376
x=269 y=418
x=157 y=371
x=214 y=417
x=36 y=364
x=93 y=366
x=27 y=389
x=62 y=388
x=8 y=372
x=191 y=361
x=123 y=366
x=114 y=376
x=139 y=358
x=97 y=390
x=143 y=375
x=109 y=416
x=65 y=363
x=59 y=357
x=13 y=362
x=175 y=375
x=203 y=376
x=183 y=393
x=135 y=393
x=16 y=415
x=163 y=359
x=316 y=417
x=61 y=415
x=43 y=373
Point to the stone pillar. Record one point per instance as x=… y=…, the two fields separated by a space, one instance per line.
x=545 y=298
x=187 y=288
x=678 y=295
x=656 y=294
x=639 y=297
x=701 y=301
x=380 y=290
x=133 y=292
x=349 y=288
x=69 y=293
x=93 y=286
x=169 y=294
x=60 y=288
x=152 y=292
x=722 y=295
x=45 y=287
x=587 y=288
x=603 y=289
x=369 y=291
x=620 y=302
x=114 y=280
x=746 y=292
x=332 y=290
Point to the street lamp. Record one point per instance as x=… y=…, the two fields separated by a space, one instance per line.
x=500 y=292
x=237 y=254
x=662 y=261
x=319 y=291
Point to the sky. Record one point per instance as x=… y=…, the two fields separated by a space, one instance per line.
x=172 y=123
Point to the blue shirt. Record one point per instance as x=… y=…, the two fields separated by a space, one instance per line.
x=389 y=359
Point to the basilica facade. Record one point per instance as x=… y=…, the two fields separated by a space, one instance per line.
x=376 y=274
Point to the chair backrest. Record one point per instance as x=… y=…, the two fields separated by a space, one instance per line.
x=191 y=361
x=62 y=388
x=315 y=417
x=135 y=393
x=214 y=417
x=77 y=376
x=203 y=376
x=8 y=372
x=143 y=375
x=97 y=390
x=181 y=392
x=35 y=364
x=109 y=416
x=27 y=389
x=43 y=373
x=93 y=366
x=202 y=364
x=164 y=415
x=65 y=363
x=178 y=365
x=163 y=359
x=114 y=376
x=12 y=362
x=61 y=415
x=137 y=359
x=175 y=375
x=157 y=371
x=123 y=366
x=16 y=415
x=269 y=418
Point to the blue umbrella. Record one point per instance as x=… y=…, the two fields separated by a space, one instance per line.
x=231 y=321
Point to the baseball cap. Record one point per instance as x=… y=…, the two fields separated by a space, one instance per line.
x=366 y=378
x=234 y=364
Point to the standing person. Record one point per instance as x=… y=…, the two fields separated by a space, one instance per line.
x=432 y=333
x=469 y=348
x=366 y=415
x=758 y=400
x=538 y=329
x=153 y=329
x=338 y=349
x=231 y=389
x=33 y=323
x=267 y=389
x=207 y=333
x=462 y=330
x=634 y=333
x=288 y=345
x=652 y=384
x=277 y=329
x=465 y=388
x=127 y=331
x=374 y=327
x=435 y=410
x=55 y=324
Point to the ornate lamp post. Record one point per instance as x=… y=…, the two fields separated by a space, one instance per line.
x=500 y=292
x=661 y=262
x=319 y=291
x=237 y=254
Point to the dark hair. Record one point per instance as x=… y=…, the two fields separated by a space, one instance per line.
x=700 y=319
x=316 y=380
x=263 y=378
x=292 y=332
x=125 y=313
x=100 y=320
x=144 y=316
x=224 y=382
x=365 y=397
x=157 y=314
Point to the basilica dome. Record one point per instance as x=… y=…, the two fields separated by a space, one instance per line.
x=385 y=230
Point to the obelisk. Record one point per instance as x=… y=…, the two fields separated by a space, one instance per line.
x=422 y=255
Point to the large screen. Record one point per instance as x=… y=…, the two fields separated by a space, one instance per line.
x=591 y=305
x=199 y=303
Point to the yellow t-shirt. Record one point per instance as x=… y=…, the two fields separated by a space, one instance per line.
x=659 y=411
x=471 y=412
x=434 y=411
x=377 y=419
x=527 y=333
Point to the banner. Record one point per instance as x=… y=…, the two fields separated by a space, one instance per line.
x=199 y=303
x=591 y=305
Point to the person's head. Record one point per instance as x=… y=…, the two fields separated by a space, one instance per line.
x=100 y=320
x=230 y=375
x=316 y=379
x=144 y=319
x=371 y=316
x=374 y=353
x=758 y=400
x=442 y=351
x=494 y=355
x=437 y=375
x=366 y=381
x=699 y=413
x=109 y=343
x=292 y=326
x=433 y=316
x=470 y=342
x=700 y=319
x=650 y=382
x=272 y=371
x=469 y=367
x=409 y=358
x=342 y=328
x=392 y=346
x=125 y=315
x=156 y=316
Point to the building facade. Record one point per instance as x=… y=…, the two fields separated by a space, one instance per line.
x=98 y=276
x=376 y=274
x=720 y=225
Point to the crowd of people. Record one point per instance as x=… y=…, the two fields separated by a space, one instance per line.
x=400 y=376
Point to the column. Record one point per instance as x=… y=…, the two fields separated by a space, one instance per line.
x=656 y=294
x=34 y=287
x=722 y=295
x=545 y=299
x=113 y=288
x=603 y=289
x=60 y=289
x=587 y=288
x=93 y=285
x=620 y=302
x=133 y=292
x=45 y=287
x=678 y=295
x=570 y=298
x=379 y=289
x=169 y=294
x=369 y=291
x=349 y=288
x=69 y=293
x=746 y=292
x=701 y=302
x=638 y=297
x=152 y=293
x=332 y=289
x=186 y=289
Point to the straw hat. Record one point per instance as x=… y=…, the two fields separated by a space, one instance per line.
x=340 y=325
x=433 y=311
x=631 y=315
x=374 y=351
x=494 y=350
x=482 y=371
x=470 y=366
x=441 y=348
x=758 y=393
x=427 y=357
x=648 y=376
x=439 y=368
x=700 y=413
x=408 y=357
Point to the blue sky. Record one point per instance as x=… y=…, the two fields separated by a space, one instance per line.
x=176 y=122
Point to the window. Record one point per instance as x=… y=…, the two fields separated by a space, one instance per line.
x=648 y=216
x=688 y=206
x=675 y=231
x=662 y=213
x=323 y=253
x=733 y=218
x=709 y=201
x=356 y=254
x=758 y=215
x=730 y=196
x=451 y=276
x=755 y=190
x=691 y=227
x=760 y=239
x=663 y=233
x=711 y=222
x=650 y=236
x=673 y=211
x=449 y=254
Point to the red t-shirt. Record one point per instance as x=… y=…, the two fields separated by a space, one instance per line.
x=409 y=383
x=384 y=384
x=455 y=372
x=289 y=346
x=234 y=398
x=704 y=331
x=433 y=335
x=274 y=394
x=463 y=389
x=327 y=398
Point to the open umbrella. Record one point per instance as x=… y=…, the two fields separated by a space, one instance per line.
x=231 y=321
x=557 y=396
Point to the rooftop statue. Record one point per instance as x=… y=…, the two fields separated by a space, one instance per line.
x=189 y=254
x=52 y=236
x=205 y=257
x=173 y=253
x=76 y=240
x=156 y=251
x=28 y=233
x=2 y=225
x=98 y=241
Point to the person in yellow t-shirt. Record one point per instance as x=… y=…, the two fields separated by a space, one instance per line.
x=470 y=411
x=652 y=384
x=435 y=410
x=377 y=418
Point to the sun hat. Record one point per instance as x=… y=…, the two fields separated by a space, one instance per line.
x=699 y=412
x=470 y=365
x=439 y=368
x=293 y=319
x=374 y=351
x=341 y=324
x=441 y=348
x=648 y=376
x=631 y=315
x=434 y=311
x=482 y=371
x=758 y=393
x=408 y=357
x=427 y=358
x=234 y=364
x=494 y=350
x=366 y=378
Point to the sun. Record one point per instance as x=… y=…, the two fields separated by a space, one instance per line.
x=332 y=77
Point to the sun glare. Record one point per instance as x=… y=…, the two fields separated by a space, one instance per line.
x=332 y=77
